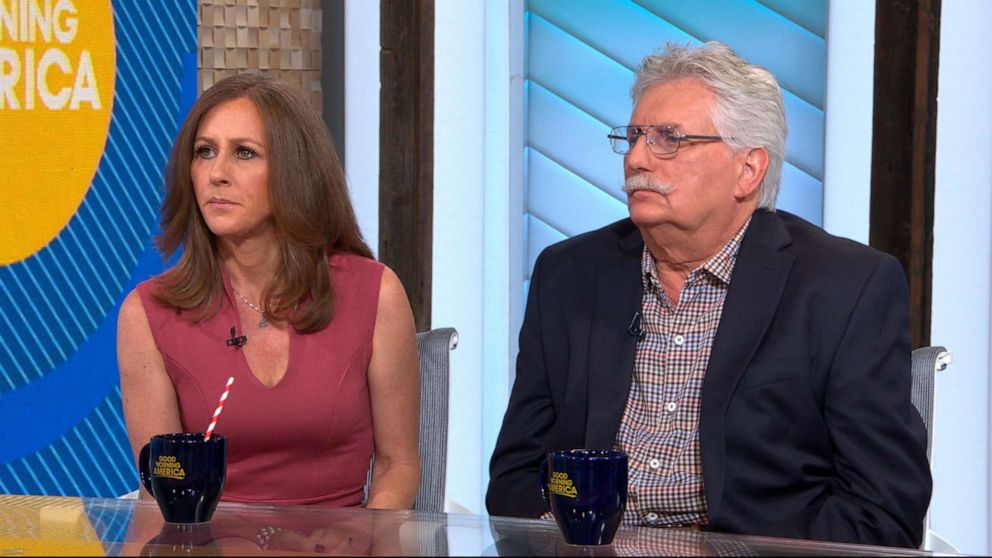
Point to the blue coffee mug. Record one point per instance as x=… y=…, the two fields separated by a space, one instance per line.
x=587 y=492
x=185 y=474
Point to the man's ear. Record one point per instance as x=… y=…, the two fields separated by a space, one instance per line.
x=754 y=164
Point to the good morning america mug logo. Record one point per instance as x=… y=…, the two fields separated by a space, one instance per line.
x=57 y=72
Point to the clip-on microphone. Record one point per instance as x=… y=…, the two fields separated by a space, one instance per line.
x=634 y=329
x=235 y=340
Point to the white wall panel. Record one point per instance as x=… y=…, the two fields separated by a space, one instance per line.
x=962 y=267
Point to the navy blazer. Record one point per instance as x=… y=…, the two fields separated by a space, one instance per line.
x=806 y=427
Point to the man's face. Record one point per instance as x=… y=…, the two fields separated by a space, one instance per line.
x=701 y=177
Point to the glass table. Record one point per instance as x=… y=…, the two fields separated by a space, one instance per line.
x=52 y=526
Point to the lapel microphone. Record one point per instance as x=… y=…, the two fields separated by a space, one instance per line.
x=235 y=340
x=634 y=329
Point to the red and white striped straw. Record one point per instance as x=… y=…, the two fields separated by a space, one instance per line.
x=220 y=407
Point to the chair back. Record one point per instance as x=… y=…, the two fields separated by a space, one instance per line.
x=435 y=348
x=927 y=361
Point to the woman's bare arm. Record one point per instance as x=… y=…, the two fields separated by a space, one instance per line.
x=394 y=385
x=149 y=399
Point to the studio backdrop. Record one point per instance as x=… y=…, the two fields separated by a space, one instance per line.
x=91 y=95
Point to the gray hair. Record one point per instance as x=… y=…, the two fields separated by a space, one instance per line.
x=748 y=111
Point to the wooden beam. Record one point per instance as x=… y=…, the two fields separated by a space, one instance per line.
x=332 y=71
x=406 y=147
x=907 y=45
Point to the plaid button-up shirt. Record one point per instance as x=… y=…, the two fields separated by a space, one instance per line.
x=660 y=426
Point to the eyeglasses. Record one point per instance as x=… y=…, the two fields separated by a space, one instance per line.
x=661 y=140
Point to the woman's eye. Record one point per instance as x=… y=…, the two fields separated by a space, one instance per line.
x=204 y=152
x=244 y=153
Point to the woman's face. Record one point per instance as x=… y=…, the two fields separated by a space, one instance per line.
x=230 y=171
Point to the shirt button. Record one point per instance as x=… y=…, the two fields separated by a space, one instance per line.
x=654 y=463
x=679 y=340
x=651 y=516
x=670 y=407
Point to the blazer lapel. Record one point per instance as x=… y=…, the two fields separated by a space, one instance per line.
x=611 y=345
x=756 y=286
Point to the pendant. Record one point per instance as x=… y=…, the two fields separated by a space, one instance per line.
x=263 y=322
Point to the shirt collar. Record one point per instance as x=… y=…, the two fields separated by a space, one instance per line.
x=721 y=265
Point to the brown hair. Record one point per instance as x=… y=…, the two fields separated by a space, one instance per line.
x=311 y=209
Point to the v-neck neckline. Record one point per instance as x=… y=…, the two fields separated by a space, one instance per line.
x=232 y=304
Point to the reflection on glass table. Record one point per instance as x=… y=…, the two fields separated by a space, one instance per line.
x=39 y=525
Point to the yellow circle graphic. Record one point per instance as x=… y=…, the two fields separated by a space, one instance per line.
x=57 y=72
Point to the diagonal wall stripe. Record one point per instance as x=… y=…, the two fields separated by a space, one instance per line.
x=78 y=472
x=11 y=364
x=128 y=152
x=596 y=22
x=96 y=278
x=759 y=35
x=95 y=246
x=540 y=235
x=27 y=356
x=80 y=442
x=101 y=447
x=114 y=207
x=131 y=240
x=53 y=285
x=48 y=294
x=16 y=481
x=91 y=449
x=577 y=141
x=578 y=73
x=807 y=13
x=35 y=342
x=54 y=460
x=142 y=124
x=150 y=75
x=115 y=449
x=145 y=208
x=48 y=334
x=184 y=34
x=70 y=243
x=567 y=201
x=51 y=479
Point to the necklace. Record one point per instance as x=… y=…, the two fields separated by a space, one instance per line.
x=262 y=322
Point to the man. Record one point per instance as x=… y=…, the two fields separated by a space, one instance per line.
x=755 y=369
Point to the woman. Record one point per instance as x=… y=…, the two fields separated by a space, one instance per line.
x=275 y=287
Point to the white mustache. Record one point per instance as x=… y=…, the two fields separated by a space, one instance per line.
x=645 y=182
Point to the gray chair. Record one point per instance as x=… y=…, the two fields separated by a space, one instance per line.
x=434 y=347
x=927 y=361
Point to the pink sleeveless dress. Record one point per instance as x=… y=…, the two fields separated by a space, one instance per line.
x=306 y=440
